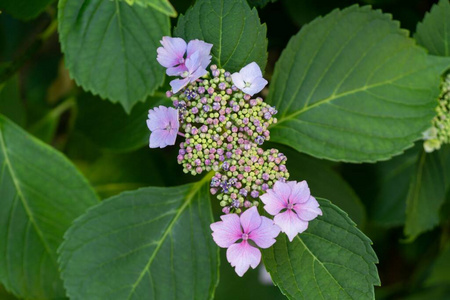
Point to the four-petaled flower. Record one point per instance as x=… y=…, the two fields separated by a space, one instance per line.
x=250 y=229
x=292 y=205
x=172 y=54
x=249 y=79
x=194 y=71
x=163 y=124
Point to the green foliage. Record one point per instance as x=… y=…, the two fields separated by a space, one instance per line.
x=163 y=6
x=232 y=27
x=108 y=126
x=24 y=9
x=331 y=260
x=121 y=66
x=154 y=242
x=439 y=273
x=434 y=32
x=41 y=193
x=425 y=196
x=10 y=102
x=345 y=89
x=260 y=3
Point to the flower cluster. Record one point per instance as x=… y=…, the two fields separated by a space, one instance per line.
x=223 y=126
x=439 y=133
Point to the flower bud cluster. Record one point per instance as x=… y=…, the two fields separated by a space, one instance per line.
x=439 y=133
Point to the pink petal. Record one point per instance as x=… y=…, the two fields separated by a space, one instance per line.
x=264 y=236
x=157 y=118
x=203 y=48
x=242 y=256
x=193 y=62
x=228 y=231
x=300 y=193
x=309 y=210
x=197 y=74
x=178 y=84
x=238 y=81
x=176 y=71
x=282 y=190
x=273 y=203
x=172 y=51
x=172 y=118
x=250 y=72
x=290 y=223
x=158 y=138
x=250 y=220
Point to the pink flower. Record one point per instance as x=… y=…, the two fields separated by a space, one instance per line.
x=292 y=205
x=249 y=79
x=250 y=226
x=171 y=54
x=194 y=71
x=163 y=123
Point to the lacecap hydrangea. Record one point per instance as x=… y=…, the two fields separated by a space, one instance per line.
x=222 y=124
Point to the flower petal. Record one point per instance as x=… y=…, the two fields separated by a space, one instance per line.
x=300 y=192
x=238 y=81
x=172 y=118
x=171 y=52
x=257 y=85
x=273 y=203
x=309 y=210
x=242 y=256
x=290 y=223
x=157 y=118
x=250 y=72
x=264 y=236
x=204 y=50
x=158 y=138
x=283 y=190
x=176 y=71
x=178 y=84
x=228 y=231
x=250 y=220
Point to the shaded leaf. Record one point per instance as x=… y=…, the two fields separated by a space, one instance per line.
x=41 y=193
x=439 y=273
x=110 y=48
x=153 y=243
x=11 y=104
x=24 y=9
x=163 y=6
x=332 y=259
x=232 y=27
x=345 y=88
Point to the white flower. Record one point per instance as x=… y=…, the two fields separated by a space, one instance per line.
x=249 y=79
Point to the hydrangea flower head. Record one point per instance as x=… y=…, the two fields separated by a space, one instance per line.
x=235 y=233
x=249 y=79
x=163 y=124
x=292 y=205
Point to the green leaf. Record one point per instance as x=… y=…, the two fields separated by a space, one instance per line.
x=345 y=88
x=41 y=193
x=324 y=182
x=434 y=31
x=110 y=48
x=439 y=273
x=394 y=177
x=24 y=9
x=153 y=243
x=11 y=104
x=232 y=27
x=163 y=6
x=260 y=3
x=108 y=126
x=425 y=196
x=332 y=259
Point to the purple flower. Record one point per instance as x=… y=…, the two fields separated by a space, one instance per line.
x=249 y=79
x=249 y=226
x=194 y=71
x=163 y=124
x=171 y=54
x=300 y=207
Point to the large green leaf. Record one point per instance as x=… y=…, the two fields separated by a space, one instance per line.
x=108 y=126
x=434 y=31
x=153 y=243
x=24 y=9
x=332 y=259
x=41 y=193
x=232 y=27
x=163 y=6
x=346 y=89
x=425 y=196
x=110 y=48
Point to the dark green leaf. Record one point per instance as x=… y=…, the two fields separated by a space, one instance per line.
x=108 y=126
x=434 y=31
x=11 y=104
x=425 y=196
x=163 y=6
x=440 y=272
x=232 y=27
x=332 y=259
x=41 y=193
x=24 y=9
x=260 y=3
x=153 y=243
x=110 y=48
x=345 y=88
